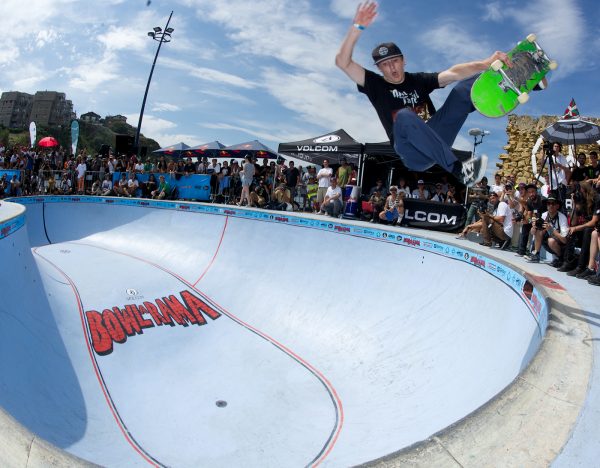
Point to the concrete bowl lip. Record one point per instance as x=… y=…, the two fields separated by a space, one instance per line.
x=487 y=432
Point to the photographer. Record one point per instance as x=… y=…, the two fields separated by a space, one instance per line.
x=477 y=197
x=583 y=221
x=560 y=173
x=531 y=204
x=260 y=195
x=498 y=225
x=551 y=231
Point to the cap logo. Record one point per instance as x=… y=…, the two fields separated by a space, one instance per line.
x=383 y=51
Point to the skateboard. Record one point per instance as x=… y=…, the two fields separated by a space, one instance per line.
x=499 y=89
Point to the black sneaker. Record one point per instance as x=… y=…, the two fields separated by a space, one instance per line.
x=472 y=170
x=532 y=258
x=567 y=266
x=594 y=280
x=585 y=274
x=576 y=271
x=556 y=263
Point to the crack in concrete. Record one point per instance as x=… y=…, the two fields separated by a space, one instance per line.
x=546 y=392
x=439 y=442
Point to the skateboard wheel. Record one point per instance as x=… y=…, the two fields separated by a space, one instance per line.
x=531 y=38
x=552 y=65
x=523 y=98
x=496 y=65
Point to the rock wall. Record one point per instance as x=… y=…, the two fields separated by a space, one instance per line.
x=523 y=131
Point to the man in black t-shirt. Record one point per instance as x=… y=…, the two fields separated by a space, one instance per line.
x=421 y=136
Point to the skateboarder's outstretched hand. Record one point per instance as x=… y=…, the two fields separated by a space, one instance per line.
x=365 y=13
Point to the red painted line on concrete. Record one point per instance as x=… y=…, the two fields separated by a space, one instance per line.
x=216 y=253
x=328 y=447
x=107 y=396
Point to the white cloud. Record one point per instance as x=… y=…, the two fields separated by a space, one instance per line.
x=285 y=30
x=163 y=131
x=165 y=106
x=344 y=8
x=208 y=74
x=123 y=38
x=91 y=73
x=9 y=53
x=493 y=12
x=252 y=131
x=228 y=95
x=45 y=37
x=312 y=97
x=451 y=39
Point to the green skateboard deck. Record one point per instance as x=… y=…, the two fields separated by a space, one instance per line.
x=499 y=89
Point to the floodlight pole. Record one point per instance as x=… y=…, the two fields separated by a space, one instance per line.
x=161 y=36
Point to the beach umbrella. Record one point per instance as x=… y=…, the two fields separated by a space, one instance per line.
x=48 y=142
x=573 y=132
x=211 y=150
x=252 y=148
x=175 y=151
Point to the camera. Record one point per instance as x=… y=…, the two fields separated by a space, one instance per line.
x=548 y=148
x=539 y=223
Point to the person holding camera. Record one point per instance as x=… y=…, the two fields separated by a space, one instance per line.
x=561 y=172
x=531 y=204
x=550 y=231
x=498 y=225
x=586 y=216
x=477 y=196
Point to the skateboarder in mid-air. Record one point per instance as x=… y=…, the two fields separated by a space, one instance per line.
x=421 y=136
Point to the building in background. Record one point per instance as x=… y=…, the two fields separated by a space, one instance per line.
x=90 y=117
x=51 y=108
x=48 y=108
x=15 y=109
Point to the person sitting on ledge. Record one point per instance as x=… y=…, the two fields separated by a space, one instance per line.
x=498 y=225
x=551 y=231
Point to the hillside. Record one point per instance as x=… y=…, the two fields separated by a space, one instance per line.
x=91 y=135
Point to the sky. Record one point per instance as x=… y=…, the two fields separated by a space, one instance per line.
x=239 y=70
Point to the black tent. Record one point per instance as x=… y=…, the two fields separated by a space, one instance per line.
x=386 y=150
x=332 y=146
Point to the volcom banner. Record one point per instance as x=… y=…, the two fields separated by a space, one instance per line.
x=74 y=135
x=32 y=133
x=447 y=217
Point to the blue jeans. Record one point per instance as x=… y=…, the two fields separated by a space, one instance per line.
x=421 y=144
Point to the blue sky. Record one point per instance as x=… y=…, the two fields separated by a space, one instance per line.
x=238 y=70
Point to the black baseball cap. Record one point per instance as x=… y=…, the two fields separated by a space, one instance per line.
x=385 y=51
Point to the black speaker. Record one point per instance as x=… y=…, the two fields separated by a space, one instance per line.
x=104 y=149
x=124 y=144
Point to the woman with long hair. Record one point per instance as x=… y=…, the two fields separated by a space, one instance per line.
x=247 y=177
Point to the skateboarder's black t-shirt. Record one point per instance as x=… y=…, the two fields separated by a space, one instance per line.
x=388 y=98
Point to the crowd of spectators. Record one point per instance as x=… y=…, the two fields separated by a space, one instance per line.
x=269 y=184
x=563 y=217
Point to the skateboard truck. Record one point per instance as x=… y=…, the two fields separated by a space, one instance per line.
x=507 y=83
